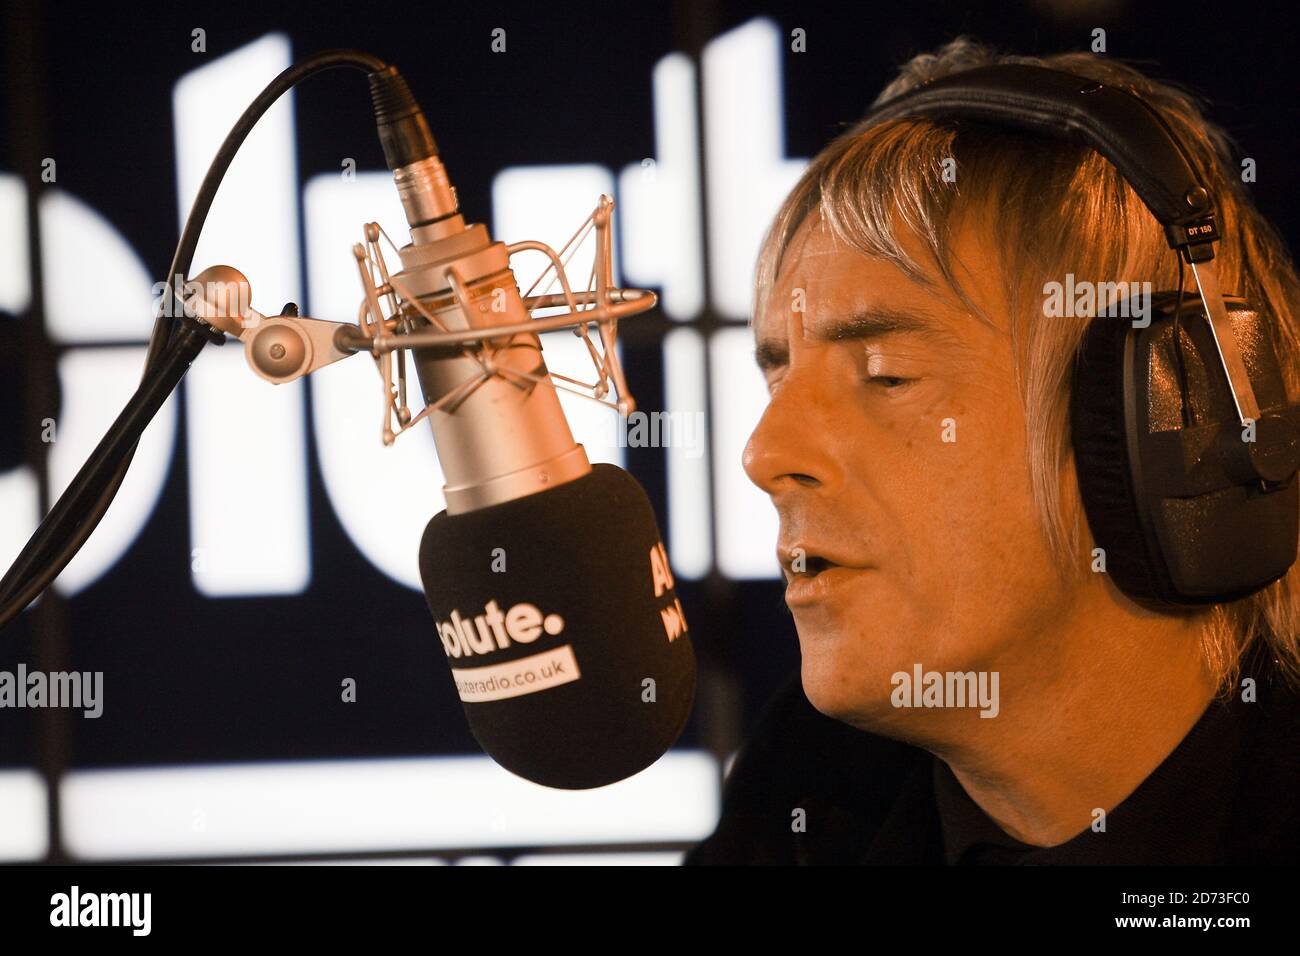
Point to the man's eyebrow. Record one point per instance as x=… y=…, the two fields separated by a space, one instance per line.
x=872 y=322
x=863 y=324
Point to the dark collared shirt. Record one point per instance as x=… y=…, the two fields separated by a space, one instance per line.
x=1156 y=823
x=1226 y=794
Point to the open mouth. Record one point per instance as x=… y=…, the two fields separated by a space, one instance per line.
x=812 y=578
x=815 y=565
x=799 y=566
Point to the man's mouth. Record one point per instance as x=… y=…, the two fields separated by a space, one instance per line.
x=802 y=561
x=811 y=576
x=815 y=565
x=807 y=589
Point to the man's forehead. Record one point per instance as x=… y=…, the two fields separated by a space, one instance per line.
x=813 y=240
x=820 y=295
x=828 y=292
x=821 y=273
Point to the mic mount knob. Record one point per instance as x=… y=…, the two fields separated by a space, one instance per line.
x=278 y=350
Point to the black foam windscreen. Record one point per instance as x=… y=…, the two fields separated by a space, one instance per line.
x=558 y=615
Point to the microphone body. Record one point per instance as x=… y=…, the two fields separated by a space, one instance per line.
x=547 y=578
x=508 y=437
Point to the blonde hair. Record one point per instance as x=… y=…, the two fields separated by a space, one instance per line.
x=1053 y=208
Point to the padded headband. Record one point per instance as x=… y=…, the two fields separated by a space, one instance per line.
x=1113 y=121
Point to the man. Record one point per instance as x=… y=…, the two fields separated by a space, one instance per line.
x=974 y=688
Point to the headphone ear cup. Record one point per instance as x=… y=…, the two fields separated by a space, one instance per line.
x=1099 y=433
x=1177 y=526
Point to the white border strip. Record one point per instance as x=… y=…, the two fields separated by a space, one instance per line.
x=374 y=805
x=24 y=816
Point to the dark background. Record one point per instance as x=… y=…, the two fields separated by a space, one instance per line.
x=199 y=680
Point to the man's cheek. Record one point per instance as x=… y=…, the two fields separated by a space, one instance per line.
x=971 y=511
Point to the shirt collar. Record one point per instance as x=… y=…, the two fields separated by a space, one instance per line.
x=1176 y=815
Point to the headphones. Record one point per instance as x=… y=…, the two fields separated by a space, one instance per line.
x=1185 y=444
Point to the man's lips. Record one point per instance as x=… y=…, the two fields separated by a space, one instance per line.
x=819 y=572
x=813 y=559
x=803 y=590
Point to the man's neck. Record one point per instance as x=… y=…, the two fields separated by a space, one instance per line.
x=1086 y=717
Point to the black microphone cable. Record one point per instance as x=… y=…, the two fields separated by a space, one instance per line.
x=83 y=504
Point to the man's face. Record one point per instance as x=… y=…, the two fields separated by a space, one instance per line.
x=894 y=447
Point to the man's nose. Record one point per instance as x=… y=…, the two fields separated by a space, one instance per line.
x=792 y=445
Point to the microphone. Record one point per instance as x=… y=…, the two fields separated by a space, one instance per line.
x=572 y=660
x=547 y=578
x=549 y=585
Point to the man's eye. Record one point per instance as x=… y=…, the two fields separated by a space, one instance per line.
x=888 y=381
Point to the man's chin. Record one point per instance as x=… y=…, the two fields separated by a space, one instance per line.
x=846 y=690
